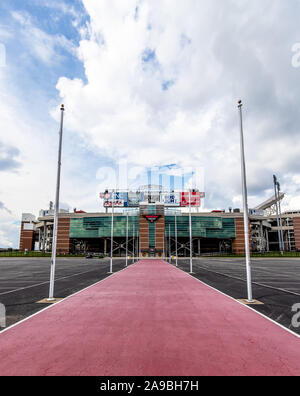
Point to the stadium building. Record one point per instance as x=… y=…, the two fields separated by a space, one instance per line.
x=154 y=222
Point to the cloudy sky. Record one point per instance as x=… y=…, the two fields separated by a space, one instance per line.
x=150 y=83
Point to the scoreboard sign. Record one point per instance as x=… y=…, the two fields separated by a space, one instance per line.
x=115 y=199
x=195 y=199
x=122 y=199
x=133 y=199
x=115 y=204
x=172 y=199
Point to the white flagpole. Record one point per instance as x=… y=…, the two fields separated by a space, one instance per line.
x=176 y=237
x=134 y=243
x=127 y=240
x=112 y=233
x=170 y=253
x=191 y=235
x=56 y=213
x=245 y=204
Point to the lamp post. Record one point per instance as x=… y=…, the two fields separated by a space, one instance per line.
x=245 y=204
x=55 y=226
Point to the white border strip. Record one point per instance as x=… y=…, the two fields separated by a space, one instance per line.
x=238 y=302
x=60 y=302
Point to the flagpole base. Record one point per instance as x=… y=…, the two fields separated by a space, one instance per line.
x=50 y=301
x=247 y=302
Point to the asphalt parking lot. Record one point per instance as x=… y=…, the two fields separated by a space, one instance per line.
x=276 y=283
x=24 y=282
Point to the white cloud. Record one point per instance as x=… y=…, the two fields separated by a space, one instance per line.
x=213 y=53
x=209 y=54
x=40 y=44
x=9 y=228
x=27 y=180
x=4 y=242
x=123 y=109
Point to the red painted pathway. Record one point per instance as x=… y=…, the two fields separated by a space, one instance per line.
x=151 y=319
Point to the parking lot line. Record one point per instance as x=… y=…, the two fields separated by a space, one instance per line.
x=46 y=282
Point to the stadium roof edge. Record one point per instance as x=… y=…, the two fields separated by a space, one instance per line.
x=269 y=203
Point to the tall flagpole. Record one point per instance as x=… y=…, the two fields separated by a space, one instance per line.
x=191 y=234
x=112 y=233
x=170 y=259
x=133 y=243
x=245 y=204
x=127 y=240
x=54 y=239
x=176 y=237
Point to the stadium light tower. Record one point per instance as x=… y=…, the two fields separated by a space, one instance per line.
x=278 y=214
x=56 y=212
x=280 y=218
x=245 y=204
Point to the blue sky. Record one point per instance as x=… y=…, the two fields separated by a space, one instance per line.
x=31 y=75
x=32 y=80
x=150 y=85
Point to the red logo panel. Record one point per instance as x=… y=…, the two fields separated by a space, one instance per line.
x=195 y=199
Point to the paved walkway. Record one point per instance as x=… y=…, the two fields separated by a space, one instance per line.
x=149 y=320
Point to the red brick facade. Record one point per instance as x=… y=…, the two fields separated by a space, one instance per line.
x=26 y=238
x=296 y=222
x=63 y=236
x=159 y=232
x=239 y=242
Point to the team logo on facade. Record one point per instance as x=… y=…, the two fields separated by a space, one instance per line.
x=152 y=218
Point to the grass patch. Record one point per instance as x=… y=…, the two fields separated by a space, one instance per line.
x=257 y=255
x=36 y=254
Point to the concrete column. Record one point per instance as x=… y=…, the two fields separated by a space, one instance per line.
x=40 y=241
x=267 y=238
x=44 y=237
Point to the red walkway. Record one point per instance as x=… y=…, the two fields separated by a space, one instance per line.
x=150 y=319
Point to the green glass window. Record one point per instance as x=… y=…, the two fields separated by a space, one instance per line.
x=100 y=227
x=203 y=227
